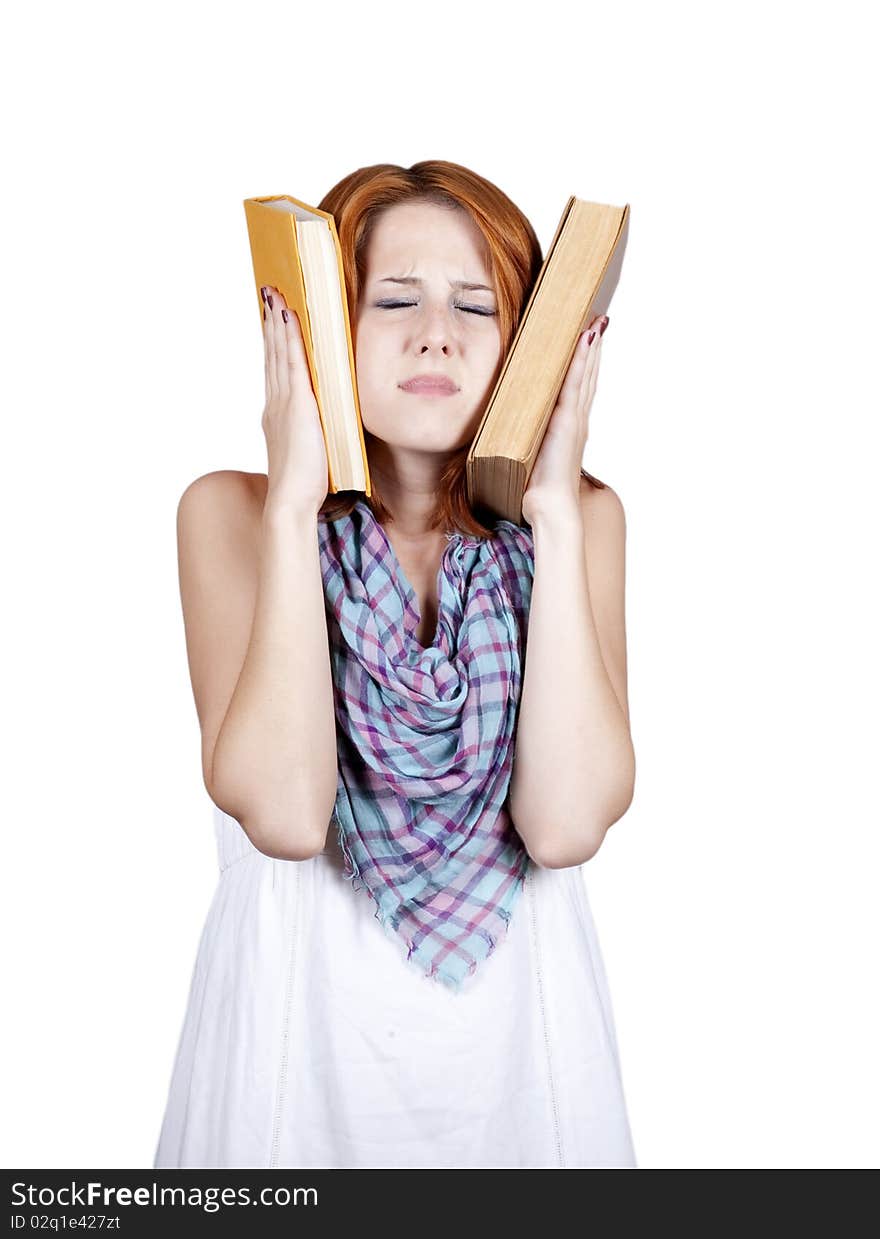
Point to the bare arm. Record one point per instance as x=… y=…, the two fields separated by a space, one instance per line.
x=275 y=758
x=574 y=767
x=259 y=660
x=256 y=626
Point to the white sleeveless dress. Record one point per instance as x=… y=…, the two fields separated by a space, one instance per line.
x=309 y=1041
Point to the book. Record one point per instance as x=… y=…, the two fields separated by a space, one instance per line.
x=295 y=248
x=574 y=286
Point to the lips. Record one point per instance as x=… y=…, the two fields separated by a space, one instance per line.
x=430 y=384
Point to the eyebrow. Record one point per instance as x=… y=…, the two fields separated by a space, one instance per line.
x=411 y=279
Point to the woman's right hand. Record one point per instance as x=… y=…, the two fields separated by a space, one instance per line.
x=297 y=456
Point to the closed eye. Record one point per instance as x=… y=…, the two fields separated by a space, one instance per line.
x=470 y=309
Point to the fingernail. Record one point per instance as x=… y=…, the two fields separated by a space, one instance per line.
x=591 y=337
x=605 y=321
x=269 y=299
x=284 y=315
x=264 y=314
x=263 y=292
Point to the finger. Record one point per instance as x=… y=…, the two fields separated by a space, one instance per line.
x=296 y=349
x=589 y=368
x=265 y=346
x=574 y=376
x=592 y=374
x=269 y=333
x=301 y=375
x=279 y=328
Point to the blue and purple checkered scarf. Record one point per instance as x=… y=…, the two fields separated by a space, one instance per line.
x=425 y=735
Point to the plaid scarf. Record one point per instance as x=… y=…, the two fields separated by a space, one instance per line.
x=425 y=736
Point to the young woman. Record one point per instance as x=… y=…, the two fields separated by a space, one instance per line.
x=400 y=967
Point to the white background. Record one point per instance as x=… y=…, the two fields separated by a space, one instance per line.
x=735 y=416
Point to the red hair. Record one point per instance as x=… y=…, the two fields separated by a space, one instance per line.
x=515 y=259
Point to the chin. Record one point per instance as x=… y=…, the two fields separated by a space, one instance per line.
x=422 y=425
x=420 y=439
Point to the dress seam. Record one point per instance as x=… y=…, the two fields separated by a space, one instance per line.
x=599 y=990
x=533 y=918
x=281 y=1089
x=237 y=861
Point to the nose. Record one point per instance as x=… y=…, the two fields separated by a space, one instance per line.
x=434 y=333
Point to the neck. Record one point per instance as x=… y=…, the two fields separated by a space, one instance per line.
x=408 y=482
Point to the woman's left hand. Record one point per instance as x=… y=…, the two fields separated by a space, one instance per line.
x=557 y=470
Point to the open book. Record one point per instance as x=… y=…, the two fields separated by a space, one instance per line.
x=295 y=248
x=575 y=284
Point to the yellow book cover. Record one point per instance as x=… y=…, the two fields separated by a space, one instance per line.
x=280 y=260
x=575 y=285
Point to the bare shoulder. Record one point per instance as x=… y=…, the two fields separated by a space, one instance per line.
x=218 y=530
x=604 y=525
x=602 y=509
x=259 y=484
x=604 y=522
x=229 y=494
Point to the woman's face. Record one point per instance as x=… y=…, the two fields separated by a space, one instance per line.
x=415 y=318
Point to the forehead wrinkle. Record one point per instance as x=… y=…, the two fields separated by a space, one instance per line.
x=411 y=279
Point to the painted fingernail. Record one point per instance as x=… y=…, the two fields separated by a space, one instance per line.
x=284 y=315
x=269 y=299
x=605 y=321
x=591 y=337
x=263 y=292
x=264 y=314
